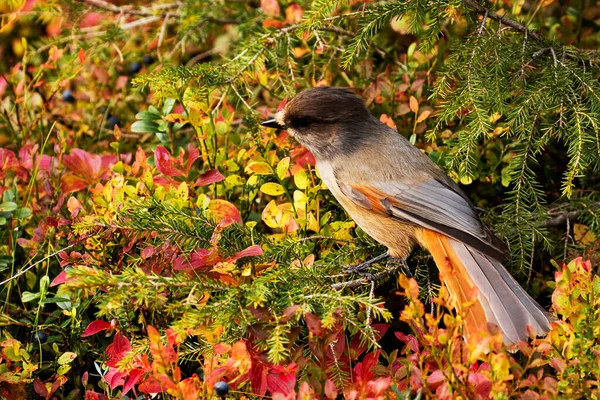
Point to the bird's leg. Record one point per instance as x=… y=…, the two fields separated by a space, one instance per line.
x=367 y=264
x=372 y=278
x=404 y=265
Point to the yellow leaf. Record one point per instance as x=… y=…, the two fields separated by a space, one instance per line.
x=414 y=104
x=271 y=215
x=301 y=180
x=313 y=224
x=176 y=118
x=583 y=234
x=252 y=181
x=466 y=180
x=282 y=167
x=183 y=192
x=234 y=180
x=300 y=199
x=259 y=168
x=423 y=116
x=272 y=188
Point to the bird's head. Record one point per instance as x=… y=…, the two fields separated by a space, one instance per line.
x=326 y=120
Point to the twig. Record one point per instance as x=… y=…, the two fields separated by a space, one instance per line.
x=567 y=236
x=199 y=57
x=509 y=22
x=560 y=218
x=106 y=6
x=89 y=35
x=18 y=274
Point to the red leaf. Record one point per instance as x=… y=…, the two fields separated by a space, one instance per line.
x=134 y=377
x=162 y=160
x=193 y=155
x=71 y=183
x=258 y=378
x=198 y=259
x=363 y=371
x=330 y=389
x=60 y=279
x=8 y=161
x=314 y=324
x=95 y=326
x=117 y=349
x=114 y=378
x=90 y=395
x=251 y=251
x=289 y=312
x=40 y=388
x=151 y=385
x=282 y=379
x=435 y=379
x=84 y=164
x=209 y=177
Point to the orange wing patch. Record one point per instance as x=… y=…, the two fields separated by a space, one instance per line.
x=378 y=200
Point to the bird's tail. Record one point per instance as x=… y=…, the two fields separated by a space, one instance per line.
x=498 y=298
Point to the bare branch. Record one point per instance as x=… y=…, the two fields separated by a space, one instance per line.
x=508 y=22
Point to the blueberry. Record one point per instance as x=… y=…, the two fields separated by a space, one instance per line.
x=221 y=388
x=148 y=59
x=111 y=121
x=67 y=96
x=135 y=67
x=40 y=337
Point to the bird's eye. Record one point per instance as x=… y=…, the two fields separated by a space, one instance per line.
x=301 y=122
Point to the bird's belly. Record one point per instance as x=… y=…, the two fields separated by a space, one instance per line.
x=397 y=236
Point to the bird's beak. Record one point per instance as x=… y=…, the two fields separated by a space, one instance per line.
x=272 y=123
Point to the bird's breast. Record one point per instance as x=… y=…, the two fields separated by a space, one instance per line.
x=396 y=235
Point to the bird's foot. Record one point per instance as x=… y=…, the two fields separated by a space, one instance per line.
x=368 y=277
x=360 y=268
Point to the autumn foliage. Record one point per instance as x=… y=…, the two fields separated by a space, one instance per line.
x=157 y=242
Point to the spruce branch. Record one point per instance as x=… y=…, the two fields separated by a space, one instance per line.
x=503 y=20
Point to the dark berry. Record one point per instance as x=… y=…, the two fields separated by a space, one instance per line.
x=111 y=121
x=148 y=59
x=135 y=67
x=221 y=388
x=40 y=337
x=67 y=96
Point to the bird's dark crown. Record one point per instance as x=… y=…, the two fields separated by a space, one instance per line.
x=324 y=104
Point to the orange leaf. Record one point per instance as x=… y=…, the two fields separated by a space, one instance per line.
x=423 y=116
x=270 y=7
x=221 y=209
x=293 y=14
x=414 y=104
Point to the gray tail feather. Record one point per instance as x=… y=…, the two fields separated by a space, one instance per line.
x=504 y=301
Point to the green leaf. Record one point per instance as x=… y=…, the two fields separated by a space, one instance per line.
x=168 y=106
x=272 y=188
x=26 y=297
x=144 y=126
x=23 y=213
x=66 y=358
x=8 y=206
x=147 y=115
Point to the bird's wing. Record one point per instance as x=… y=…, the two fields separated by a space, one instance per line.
x=432 y=204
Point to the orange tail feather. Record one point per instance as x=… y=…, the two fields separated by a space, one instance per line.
x=462 y=289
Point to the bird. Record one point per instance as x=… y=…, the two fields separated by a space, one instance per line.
x=401 y=198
